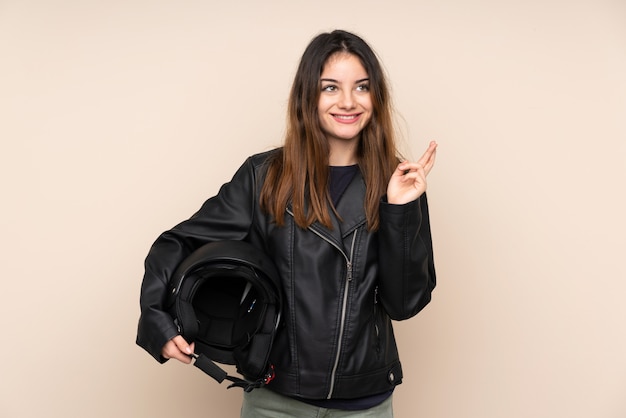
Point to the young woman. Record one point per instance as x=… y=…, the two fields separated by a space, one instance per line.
x=345 y=220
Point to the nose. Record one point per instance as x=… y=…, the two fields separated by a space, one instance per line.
x=346 y=100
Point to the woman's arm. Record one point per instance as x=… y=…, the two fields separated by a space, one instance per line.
x=407 y=269
x=226 y=216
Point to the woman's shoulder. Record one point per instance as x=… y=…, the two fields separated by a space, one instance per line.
x=262 y=158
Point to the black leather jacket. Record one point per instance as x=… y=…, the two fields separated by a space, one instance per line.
x=342 y=286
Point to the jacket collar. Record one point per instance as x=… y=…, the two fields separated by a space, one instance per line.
x=351 y=206
x=350 y=209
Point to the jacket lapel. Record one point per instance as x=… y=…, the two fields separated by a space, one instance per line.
x=350 y=206
x=351 y=210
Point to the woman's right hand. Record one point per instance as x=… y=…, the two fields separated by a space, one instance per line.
x=178 y=349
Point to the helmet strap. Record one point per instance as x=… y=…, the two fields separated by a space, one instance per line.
x=216 y=372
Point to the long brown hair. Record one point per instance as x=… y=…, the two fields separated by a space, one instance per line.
x=299 y=172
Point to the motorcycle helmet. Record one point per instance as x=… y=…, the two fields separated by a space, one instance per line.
x=226 y=298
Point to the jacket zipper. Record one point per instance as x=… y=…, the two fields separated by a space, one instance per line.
x=344 y=306
x=344 y=303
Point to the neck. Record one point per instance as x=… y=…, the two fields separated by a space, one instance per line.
x=342 y=153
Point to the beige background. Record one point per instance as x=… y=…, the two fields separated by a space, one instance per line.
x=118 y=118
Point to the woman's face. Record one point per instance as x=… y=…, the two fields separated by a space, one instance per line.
x=345 y=105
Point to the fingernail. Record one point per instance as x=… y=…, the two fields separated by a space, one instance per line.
x=188 y=350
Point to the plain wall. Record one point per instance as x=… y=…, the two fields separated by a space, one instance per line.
x=119 y=118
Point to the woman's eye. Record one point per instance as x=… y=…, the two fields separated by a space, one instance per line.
x=329 y=88
x=363 y=87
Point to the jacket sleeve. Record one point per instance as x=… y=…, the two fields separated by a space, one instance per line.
x=407 y=270
x=226 y=216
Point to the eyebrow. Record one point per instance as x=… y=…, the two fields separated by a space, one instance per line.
x=332 y=80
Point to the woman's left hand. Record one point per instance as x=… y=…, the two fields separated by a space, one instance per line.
x=408 y=182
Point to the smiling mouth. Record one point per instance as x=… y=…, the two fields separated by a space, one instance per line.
x=346 y=118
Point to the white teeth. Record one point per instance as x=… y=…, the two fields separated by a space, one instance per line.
x=345 y=117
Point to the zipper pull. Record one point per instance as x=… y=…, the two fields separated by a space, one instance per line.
x=349 y=265
x=375 y=295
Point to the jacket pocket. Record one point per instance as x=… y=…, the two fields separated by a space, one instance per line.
x=376 y=324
